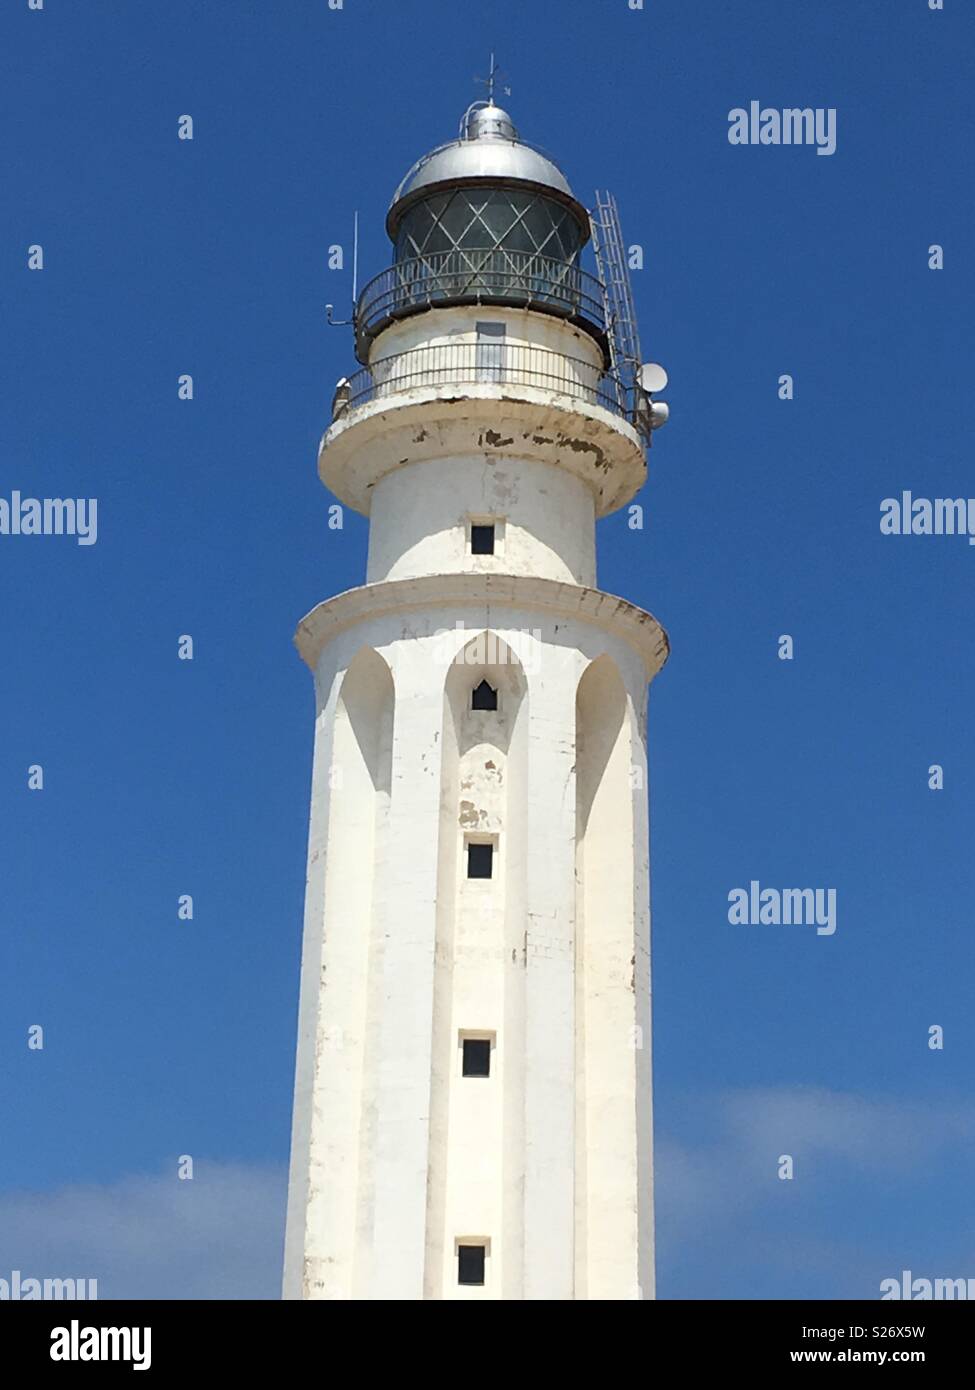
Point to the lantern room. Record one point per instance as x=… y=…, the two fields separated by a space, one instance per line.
x=484 y=219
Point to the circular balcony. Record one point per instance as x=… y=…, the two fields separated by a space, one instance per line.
x=481 y=399
x=522 y=279
x=505 y=365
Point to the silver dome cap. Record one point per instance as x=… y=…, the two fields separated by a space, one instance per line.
x=488 y=150
x=487 y=121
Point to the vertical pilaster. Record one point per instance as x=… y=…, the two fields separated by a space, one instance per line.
x=549 y=1059
x=405 y=1054
x=310 y=1001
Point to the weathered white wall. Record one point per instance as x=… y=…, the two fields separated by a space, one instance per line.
x=612 y=1120
x=420 y=515
x=381 y=1108
x=523 y=328
x=478 y=973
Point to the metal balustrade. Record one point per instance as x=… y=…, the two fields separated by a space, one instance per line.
x=465 y=275
x=492 y=364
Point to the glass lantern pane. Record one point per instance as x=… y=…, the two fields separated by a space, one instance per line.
x=506 y=244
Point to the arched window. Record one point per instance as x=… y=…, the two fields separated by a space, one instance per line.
x=484 y=696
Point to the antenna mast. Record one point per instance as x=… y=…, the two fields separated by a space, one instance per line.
x=330 y=308
x=355 y=260
x=492 y=80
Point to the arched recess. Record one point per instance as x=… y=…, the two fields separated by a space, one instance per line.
x=606 y=1077
x=479 y=971
x=359 y=780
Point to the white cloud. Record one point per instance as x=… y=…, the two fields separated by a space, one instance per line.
x=729 y=1227
x=219 y=1235
x=892 y=1137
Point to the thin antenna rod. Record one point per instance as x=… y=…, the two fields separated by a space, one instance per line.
x=355 y=259
x=490 y=82
x=330 y=308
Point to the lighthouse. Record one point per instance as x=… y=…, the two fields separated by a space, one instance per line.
x=472 y=1106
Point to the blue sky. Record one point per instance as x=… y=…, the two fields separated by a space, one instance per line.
x=163 y=777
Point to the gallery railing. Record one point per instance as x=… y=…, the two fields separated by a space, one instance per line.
x=470 y=276
x=494 y=363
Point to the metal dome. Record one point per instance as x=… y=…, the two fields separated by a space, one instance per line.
x=487 y=150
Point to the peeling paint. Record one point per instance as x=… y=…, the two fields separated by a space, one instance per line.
x=585 y=446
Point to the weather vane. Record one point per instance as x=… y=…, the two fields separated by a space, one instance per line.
x=491 y=81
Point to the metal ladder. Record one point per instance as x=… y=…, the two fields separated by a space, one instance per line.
x=607 y=244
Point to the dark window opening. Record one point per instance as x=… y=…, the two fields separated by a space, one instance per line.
x=477 y=1057
x=480 y=860
x=484 y=696
x=482 y=540
x=470 y=1264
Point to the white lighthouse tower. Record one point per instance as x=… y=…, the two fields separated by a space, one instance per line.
x=472 y=1113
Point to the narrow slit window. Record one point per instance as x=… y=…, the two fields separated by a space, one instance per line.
x=484 y=696
x=482 y=539
x=476 y=1057
x=480 y=860
x=470 y=1264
